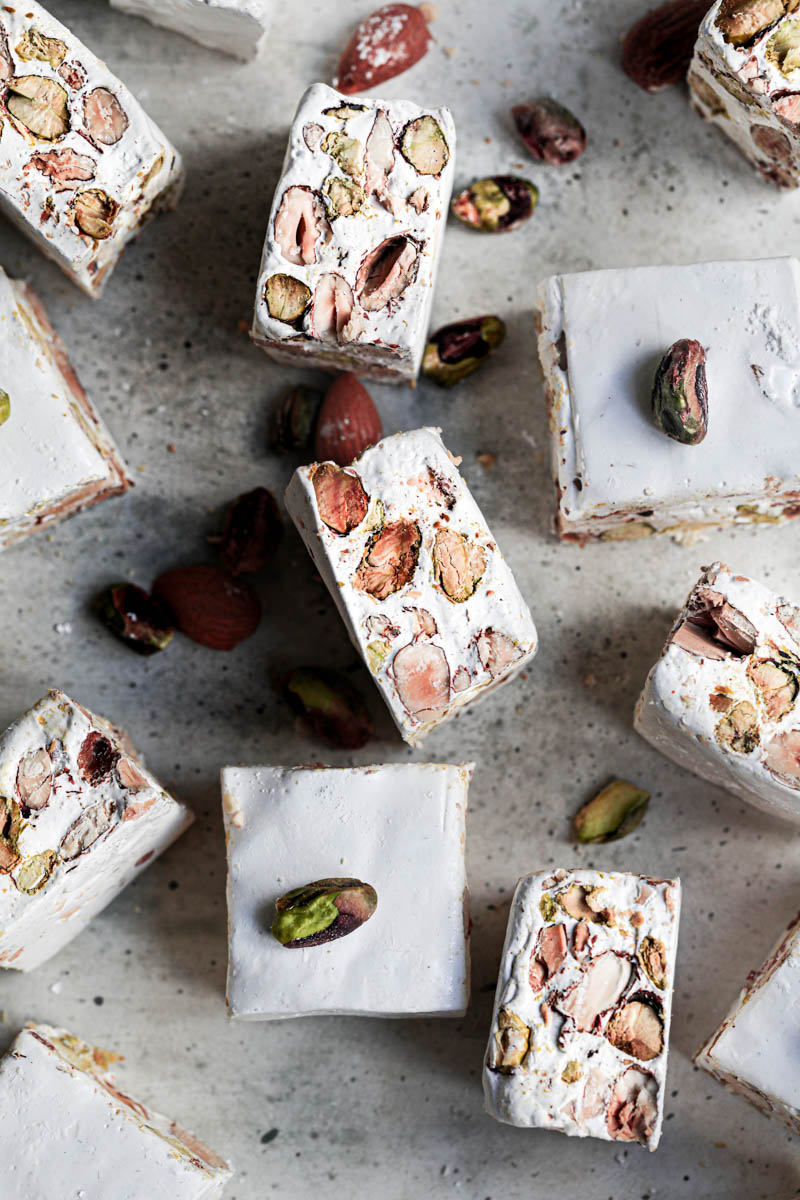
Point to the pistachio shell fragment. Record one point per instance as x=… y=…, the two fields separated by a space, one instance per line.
x=496 y=205
x=5 y=406
x=95 y=212
x=550 y=131
x=294 y=419
x=40 y=105
x=323 y=911
x=330 y=706
x=613 y=813
x=35 y=45
x=34 y=872
x=423 y=144
x=138 y=619
x=511 y=1041
x=286 y=298
x=680 y=393
x=739 y=729
x=458 y=350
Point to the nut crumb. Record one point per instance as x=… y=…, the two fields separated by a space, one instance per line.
x=487 y=460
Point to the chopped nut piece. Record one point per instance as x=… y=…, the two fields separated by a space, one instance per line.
x=496 y=652
x=653 y=957
x=783 y=48
x=34 y=781
x=550 y=131
x=89 y=827
x=323 y=911
x=599 y=988
x=330 y=706
x=287 y=298
x=424 y=624
x=346 y=152
x=422 y=677
x=294 y=419
x=136 y=618
x=680 y=393
x=496 y=205
x=776 y=683
x=341 y=499
x=456 y=351
x=547 y=956
x=253 y=533
x=424 y=145
x=6 y=61
x=34 y=872
x=94 y=213
x=344 y=197
x=742 y=20
x=386 y=272
x=782 y=757
x=572 y=1072
x=35 y=45
x=300 y=223
x=40 y=104
x=380 y=160
x=511 y=1041
x=637 y=1029
x=332 y=317
x=580 y=938
x=739 y=729
x=713 y=628
x=65 y=167
x=105 y=118
x=633 y=1110
x=130 y=776
x=458 y=564
x=390 y=559
x=10 y=826
x=574 y=902
x=547 y=907
x=613 y=813
x=312 y=135
x=419 y=200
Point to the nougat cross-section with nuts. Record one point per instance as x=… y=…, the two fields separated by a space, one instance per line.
x=237 y=27
x=427 y=598
x=57 y=455
x=396 y=832
x=755 y=1052
x=603 y=335
x=80 y=817
x=722 y=699
x=745 y=78
x=82 y=166
x=354 y=235
x=580 y=1029
x=67 y=1129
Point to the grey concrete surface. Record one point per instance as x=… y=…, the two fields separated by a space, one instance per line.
x=329 y=1107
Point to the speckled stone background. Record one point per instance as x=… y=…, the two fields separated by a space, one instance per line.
x=329 y=1107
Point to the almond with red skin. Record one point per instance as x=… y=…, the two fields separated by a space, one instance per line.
x=210 y=606
x=348 y=422
x=253 y=532
x=657 y=50
x=385 y=44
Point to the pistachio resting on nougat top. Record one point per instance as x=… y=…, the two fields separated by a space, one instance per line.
x=680 y=393
x=323 y=911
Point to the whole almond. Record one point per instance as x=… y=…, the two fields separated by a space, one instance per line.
x=210 y=606
x=657 y=50
x=348 y=422
x=384 y=45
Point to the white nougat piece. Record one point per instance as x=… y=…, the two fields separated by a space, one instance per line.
x=580 y=1029
x=80 y=817
x=82 y=166
x=602 y=335
x=57 y=455
x=745 y=78
x=427 y=598
x=354 y=235
x=721 y=700
x=400 y=829
x=756 y=1050
x=237 y=27
x=66 y=1130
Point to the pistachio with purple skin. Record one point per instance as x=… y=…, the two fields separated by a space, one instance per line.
x=330 y=706
x=550 y=131
x=323 y=911
x=680 y=393
x=294 y=419
x=136 y=618
x=456 y=351
x=496 y=205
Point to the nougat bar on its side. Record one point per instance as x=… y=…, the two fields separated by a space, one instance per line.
x=602 y=336
x=427 y=598
x=398 y=828
x=67 y=1129
x=722 y=699
x=59 y=458
x=580 y=1028
x=237 y=27
x=745 y=79
x=80 y=817
x=354 y=235
x=755 y=1052
x=82 y=166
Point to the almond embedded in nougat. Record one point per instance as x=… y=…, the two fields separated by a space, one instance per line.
x=386 y=272
x=300 y=223
x=601 y=984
